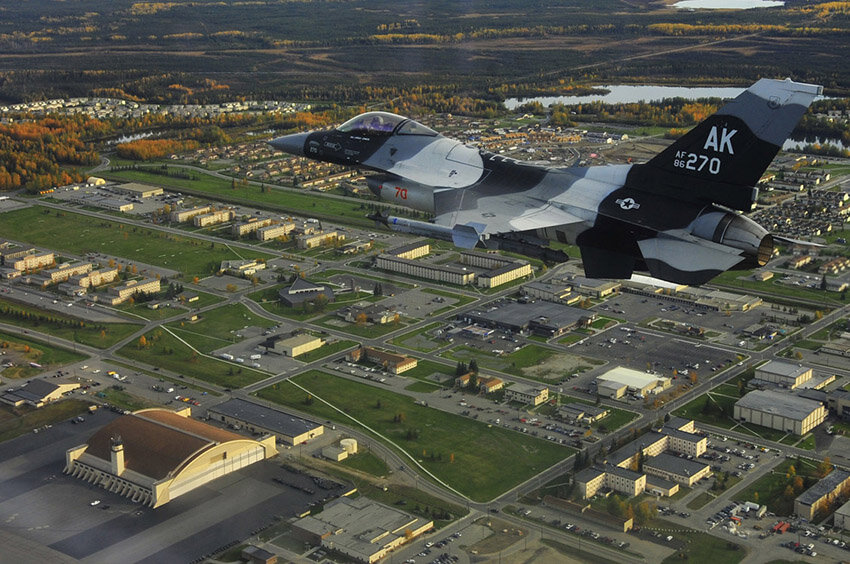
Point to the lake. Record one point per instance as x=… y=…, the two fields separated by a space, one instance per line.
x=626 y=93
x=726 y=4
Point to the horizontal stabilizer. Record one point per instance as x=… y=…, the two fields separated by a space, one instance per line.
x=686 y=262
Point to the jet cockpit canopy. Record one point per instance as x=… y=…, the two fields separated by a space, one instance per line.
x=384 y=123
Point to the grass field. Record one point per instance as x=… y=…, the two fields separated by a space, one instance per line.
x=466 y=454
x=306 y=203
x=78 y=234
x=700 y=547
x=367 y=462
x=425 y=368
x=771 y=488
x=165 y=351
x=117 y=396
x=22 y=351
x=219 y=327
x=417 y=340
x=57 y=324
x=17 y=421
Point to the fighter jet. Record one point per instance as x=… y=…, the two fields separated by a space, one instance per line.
x=678 y=216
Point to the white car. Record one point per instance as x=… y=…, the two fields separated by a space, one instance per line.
x=95 y=502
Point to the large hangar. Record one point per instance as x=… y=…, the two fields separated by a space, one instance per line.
x=155 y=455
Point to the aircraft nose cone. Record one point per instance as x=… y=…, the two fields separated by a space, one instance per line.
x=292 y=144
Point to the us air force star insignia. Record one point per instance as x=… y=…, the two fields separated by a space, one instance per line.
x=628 y=204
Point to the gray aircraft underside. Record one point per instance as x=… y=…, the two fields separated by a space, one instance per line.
x=678 y=216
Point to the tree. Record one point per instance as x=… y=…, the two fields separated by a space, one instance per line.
x=143 y=342
x=361 y=319
x=825 y=467
x=473 y=366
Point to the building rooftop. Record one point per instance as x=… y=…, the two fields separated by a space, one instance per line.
x=631 y=378
x=823 y=487
x=674 y=464
x=276 y=421
x=784 y=369
x=779 y=403
x=157 y=442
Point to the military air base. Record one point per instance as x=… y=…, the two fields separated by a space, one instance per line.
x=480 y=306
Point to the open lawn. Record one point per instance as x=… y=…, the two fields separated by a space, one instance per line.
x=366 y=331
x=701 y=547
x=432 y=372
x=21 y=351
x=772 y=489
x=307 y=203
x=417 y=340
x=367 y=462
x=531 y=361
x=463 y=452
x=57 y=324
x=78 y=234
x=17 y=421
x=166 y=351
x=118 y=396
x=219 y=327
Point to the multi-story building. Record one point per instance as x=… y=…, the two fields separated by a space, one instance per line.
x=271 y=232
x=180 y=216
x=440 y=273
x=783 y=374
x=530 y=395
x=212 y=218
x=33 y=261
x=818 y=497
x=122 y=293
x=318 y=239
x=411 y=251
x=243 y=228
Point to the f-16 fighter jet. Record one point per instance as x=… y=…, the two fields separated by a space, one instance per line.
x=678 y=216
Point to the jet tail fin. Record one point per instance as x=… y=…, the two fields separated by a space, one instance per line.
x=721 y=159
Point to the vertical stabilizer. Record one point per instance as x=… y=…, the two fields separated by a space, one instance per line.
x=721 y=159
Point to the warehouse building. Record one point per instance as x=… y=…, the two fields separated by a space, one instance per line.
x=256 y=418
x=138 y=190
x=818 y=497
x=154 y=455
x=295 y=345
x=38 y=393
x=611 y=383
x=782 y=374
x=541 y=318
x=780 y=411
x=361 y=529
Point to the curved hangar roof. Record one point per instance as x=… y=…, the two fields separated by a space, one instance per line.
x=158 y=442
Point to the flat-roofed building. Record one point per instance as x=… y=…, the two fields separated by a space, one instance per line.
x=783 y=374
x=817 y=498
x=611 y=389
x=841 y=518
x=296 y=345
x=839 y=403
x=213 y=218
x=676 y=469
x=181 y=216
x=65 y=271
x=320 y=239
x=256 y=418
x=637 y=382
x=411 y=251
x=529 y=395
x=684 y=442
x=503 y=274
x=97 y=277
x=138 y=190
x=153 y=456
x=120 y=294
x=243 y=228
x=31 y=261
x=271 y=232
x=594 y=287
x=360 y=528
x=781 y=411
x=243 y=268
x=551 y=292
x=440 y=273
x=622 y=480
x=38 y=392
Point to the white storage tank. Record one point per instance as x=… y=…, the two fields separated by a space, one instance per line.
x=350 y=445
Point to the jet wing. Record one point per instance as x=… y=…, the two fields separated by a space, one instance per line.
x=500 y=212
